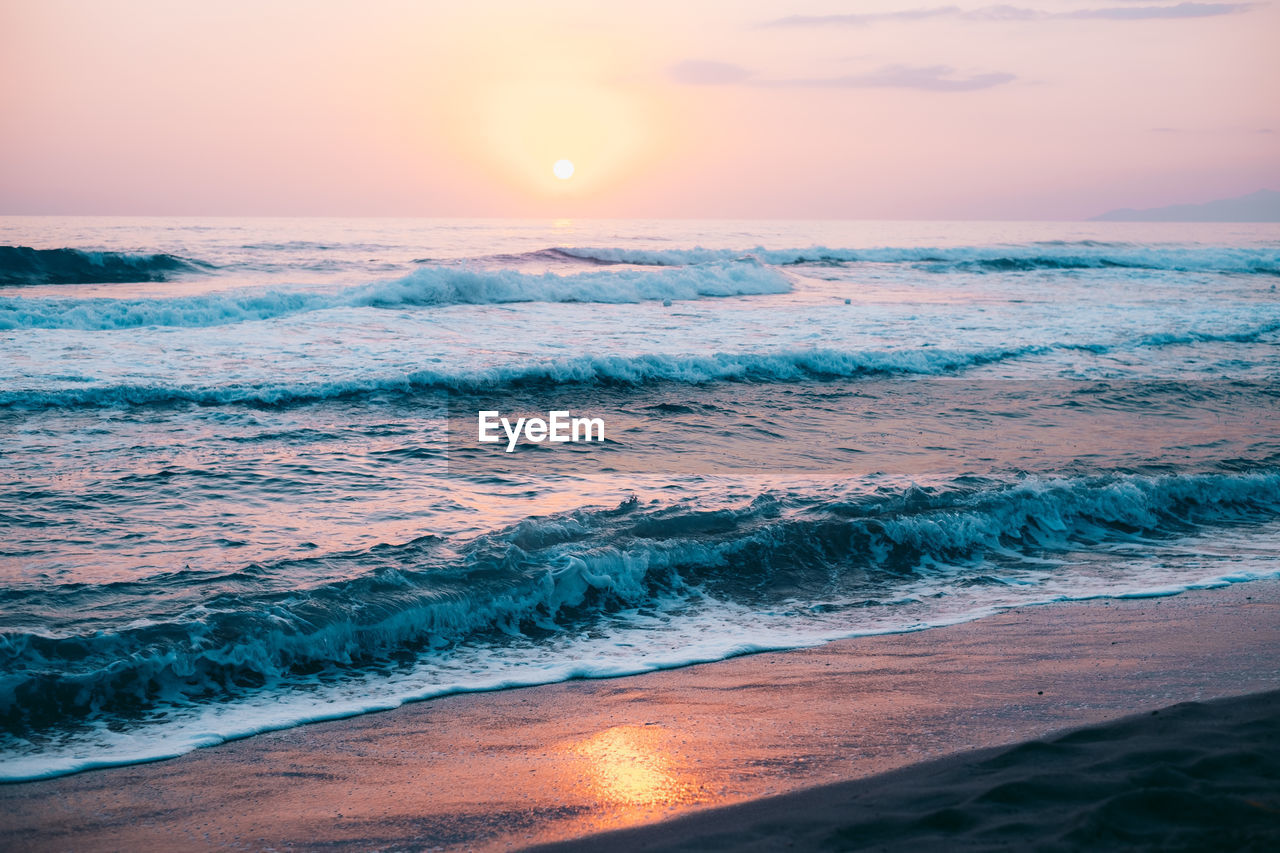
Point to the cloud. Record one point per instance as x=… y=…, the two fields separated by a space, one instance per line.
x=859 y=19
x=1014 y=13
x=1212 y=130
x=933 y=78
x=700 y=72
x=1147 y=13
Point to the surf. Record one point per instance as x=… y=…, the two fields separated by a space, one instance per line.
x=23 y=265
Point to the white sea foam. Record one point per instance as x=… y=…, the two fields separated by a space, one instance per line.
x=996 y=258
x=430 y=286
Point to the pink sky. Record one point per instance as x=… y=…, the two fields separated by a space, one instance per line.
x=805 y=108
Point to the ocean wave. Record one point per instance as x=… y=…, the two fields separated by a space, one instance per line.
x=1243 y=336
x=463 y=285
x=565 y=572
x=643 y=369
x=1056 y=255
x=601 y=370
x=424 y=287
x=22 y=265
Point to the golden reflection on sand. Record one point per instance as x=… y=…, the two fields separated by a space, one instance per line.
x=632 y=770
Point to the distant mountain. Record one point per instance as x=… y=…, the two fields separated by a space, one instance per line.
x=1262 y=206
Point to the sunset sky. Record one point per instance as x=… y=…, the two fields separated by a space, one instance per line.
x=805 y=108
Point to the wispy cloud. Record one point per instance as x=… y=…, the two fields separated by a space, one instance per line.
x=862 y=19
x=1218 y=130
x=1147 y=13
x=932 y=78
x=1015 y=13
x=699 y=72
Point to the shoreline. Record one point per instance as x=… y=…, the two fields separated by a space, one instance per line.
x=395 y=702
x=497 y=770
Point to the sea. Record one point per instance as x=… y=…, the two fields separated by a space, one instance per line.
x=241 y=486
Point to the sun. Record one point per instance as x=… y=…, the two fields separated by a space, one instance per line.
x=563 y=169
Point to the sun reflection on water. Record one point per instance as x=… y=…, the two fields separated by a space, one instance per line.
x=633 y=767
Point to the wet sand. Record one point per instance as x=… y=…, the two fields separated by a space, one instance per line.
x=555 y=763
x=1197 y=776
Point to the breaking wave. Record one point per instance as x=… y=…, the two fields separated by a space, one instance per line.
x=1055 y=255
x=569 y=571
x=22 y=265
x=779 y=366
x=424 y=287
x=601 y=370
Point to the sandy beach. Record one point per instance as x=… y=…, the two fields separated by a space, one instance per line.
x=552 y=764
x=1196 y=776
